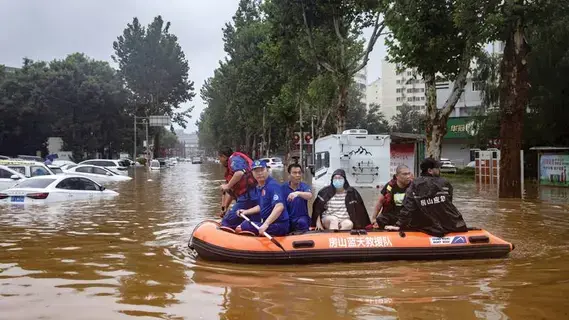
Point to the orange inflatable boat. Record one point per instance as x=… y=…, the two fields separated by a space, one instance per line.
x=211 y=242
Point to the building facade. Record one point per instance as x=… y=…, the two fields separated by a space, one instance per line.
x=360 y=78
x=400 y=86
x=374 y=93
x=190 y=142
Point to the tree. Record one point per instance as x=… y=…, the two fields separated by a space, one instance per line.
x=77 y=98
x=330 y=39
x=375 y=120
x=516 y=17
x=26 y=115
x=155 y=71
x=438 y=38
x=407 y=120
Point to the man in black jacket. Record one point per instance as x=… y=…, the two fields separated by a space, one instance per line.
x=428 y=204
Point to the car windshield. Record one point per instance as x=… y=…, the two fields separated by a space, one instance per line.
x=124 y=163
x=277 y=160
x=35 y=183
x=56 y=170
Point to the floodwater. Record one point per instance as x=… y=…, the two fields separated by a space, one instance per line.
x=128 y=257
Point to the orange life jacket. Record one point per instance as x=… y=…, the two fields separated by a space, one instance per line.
x=246 y=182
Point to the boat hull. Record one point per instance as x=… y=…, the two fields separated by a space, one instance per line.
x=215 y=244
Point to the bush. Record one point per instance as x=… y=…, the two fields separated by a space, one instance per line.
x=142 y=161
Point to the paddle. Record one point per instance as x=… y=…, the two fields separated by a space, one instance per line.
x=273 y=240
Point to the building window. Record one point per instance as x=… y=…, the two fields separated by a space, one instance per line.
x=409 y=73
x=410 y=99
x=477 y=86
x=398 y=81
x=422 y=98
x=422 y=89
x=398 y=99
x=398 y=90
x=409 y=90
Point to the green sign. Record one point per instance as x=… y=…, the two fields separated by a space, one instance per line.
x=460 y=128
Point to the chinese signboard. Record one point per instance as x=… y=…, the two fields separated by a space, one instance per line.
x=553 y=169
x=360 y=242
x=460 y=128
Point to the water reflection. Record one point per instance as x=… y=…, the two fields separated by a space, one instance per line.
x=127 y=257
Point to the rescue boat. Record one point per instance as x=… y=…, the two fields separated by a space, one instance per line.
x=212 y=242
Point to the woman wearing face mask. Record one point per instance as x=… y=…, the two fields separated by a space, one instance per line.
x=339 y=206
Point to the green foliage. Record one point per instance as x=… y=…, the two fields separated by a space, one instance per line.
x=408 y=120
x=77 y=98
x=155 y=70
x=168 y=139
x=359 y=117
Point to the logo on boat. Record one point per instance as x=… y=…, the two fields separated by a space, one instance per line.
x=459 y=239
x=363 y=242
x=448 y=240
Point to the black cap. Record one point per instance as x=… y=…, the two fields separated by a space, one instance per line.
x=429 y=163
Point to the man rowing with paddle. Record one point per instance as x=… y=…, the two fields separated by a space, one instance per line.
x=240 y=186
x=271 y=205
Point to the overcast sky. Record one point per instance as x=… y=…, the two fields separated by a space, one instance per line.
x=51 y=29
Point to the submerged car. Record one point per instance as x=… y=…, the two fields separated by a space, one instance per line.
x=54 y=188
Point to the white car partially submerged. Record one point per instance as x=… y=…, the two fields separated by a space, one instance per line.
x=54 y=188
x=9 y=177
x=99 y=174
x=273 y=163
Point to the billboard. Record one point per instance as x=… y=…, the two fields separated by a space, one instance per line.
x=553 y=169
x=402 y=154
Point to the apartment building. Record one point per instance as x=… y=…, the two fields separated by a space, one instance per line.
x=360 y=79
x=374 y=93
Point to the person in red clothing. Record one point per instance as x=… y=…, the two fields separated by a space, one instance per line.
x=240 y=185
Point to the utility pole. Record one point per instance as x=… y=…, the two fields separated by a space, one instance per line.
x=312 y=135
x=301 y=136
x=147 y=144
x=134 y=152
x=264 y=141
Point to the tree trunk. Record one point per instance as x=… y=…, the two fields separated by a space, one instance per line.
x=514 y=90
x=341 y=107
x=156 y=151
x=254 y=152
x=245 y=146
x=435 y=124
x=268 y=145
x=288 y=140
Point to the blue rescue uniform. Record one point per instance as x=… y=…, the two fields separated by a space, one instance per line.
x=245 y=201
x=269 y=195
x=297 y=208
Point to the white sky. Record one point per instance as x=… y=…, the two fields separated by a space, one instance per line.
x=52 y=29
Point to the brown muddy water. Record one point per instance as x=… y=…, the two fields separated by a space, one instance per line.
x=128 y=257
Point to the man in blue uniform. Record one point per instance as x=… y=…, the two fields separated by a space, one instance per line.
x=297 y=193
x=274 y=216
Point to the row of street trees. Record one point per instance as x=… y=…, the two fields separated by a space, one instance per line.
x=288 y=56
x=90 y=104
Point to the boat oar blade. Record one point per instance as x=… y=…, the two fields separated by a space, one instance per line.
x=273 y=240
